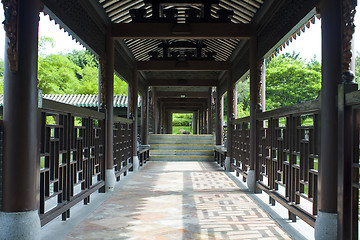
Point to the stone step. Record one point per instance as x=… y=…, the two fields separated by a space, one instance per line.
x=186 y=152
x=182 y=141
x=172 y=158
x=181 y=137
x=172 y=147
x=181 y=147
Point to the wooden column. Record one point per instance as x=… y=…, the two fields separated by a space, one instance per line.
x=195 y=123
x=162 y=118
x=209 y=112
x=325 y=227
x=231 y=104
x=219 y=117
x=201 y=122
x=20 y=157
x=132 y=111
x=145 y=118
x=256 y=69
x=155 y=111
x=106 y=100
x=109 y=101
x=168 y=122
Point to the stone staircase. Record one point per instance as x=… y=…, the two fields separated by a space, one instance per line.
x=168 y=147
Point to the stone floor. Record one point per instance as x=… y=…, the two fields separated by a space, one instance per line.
x=179 y=200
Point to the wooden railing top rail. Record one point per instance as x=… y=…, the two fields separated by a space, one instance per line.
x=240 y=120
x=123 y=120
x=57 y=107
x=353 y=98
x=297 y=109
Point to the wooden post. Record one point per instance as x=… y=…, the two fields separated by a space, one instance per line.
x=256 y=70
x=169 y=122
x=21 y=160
x=106 y=100
x=326 y=223
x=201 y=120
x=133 y=113
x=145 y=118
x=231 y=102
x=209 y=112
x=347 y=204
x=155 y=111
x=219 y=117
x=195 y=122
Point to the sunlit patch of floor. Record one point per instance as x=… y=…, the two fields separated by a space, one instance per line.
x=179 y=200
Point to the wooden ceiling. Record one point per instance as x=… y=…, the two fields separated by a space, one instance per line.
x=182 y=42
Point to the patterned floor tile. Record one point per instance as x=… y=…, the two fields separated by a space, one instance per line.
x=179 y=200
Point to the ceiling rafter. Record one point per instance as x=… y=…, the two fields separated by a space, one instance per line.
x=182 y=66
x=182 y=31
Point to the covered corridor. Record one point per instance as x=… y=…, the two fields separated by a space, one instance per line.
x=181 y=56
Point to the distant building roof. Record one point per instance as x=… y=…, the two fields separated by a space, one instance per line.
x=81 y=100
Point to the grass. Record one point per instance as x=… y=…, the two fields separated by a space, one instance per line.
x=176 y=129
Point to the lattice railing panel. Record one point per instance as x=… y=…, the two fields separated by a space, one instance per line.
x=122 y=145
x=71 y=157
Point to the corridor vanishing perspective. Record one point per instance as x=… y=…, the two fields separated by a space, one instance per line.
x=180 y=56
x=179 y=200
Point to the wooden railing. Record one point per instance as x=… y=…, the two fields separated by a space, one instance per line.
x=1 y=159
x=71 y=157
x=287 y=156
x=349 y=163
x=241 y=145
x=122 y=145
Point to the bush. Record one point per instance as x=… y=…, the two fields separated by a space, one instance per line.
x=181 y=122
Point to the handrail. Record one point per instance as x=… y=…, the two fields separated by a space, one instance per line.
x=240 y=120
x=296 y=109
x=352 y=98
x=122 y=120
x=57 y=107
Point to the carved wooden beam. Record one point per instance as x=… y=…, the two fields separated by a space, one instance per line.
x=182 y=66
x=181 y=82
x=11 y=12
x=348 y=9
x=182 y=30
x=184 y=100
x=182 y=94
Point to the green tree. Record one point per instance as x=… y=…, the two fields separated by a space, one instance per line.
x=243 y=98
x=120 y=86
x=83 y=58
x=57 y=74
x=290 y=80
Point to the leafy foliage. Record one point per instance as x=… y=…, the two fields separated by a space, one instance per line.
x=182 y=119
x=243 y=98
x=83 y=58
x=289 y=80
x=57 y=74
x=73 y=73
x=357 y=68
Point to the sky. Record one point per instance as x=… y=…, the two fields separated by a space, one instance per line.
x=308 y=43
